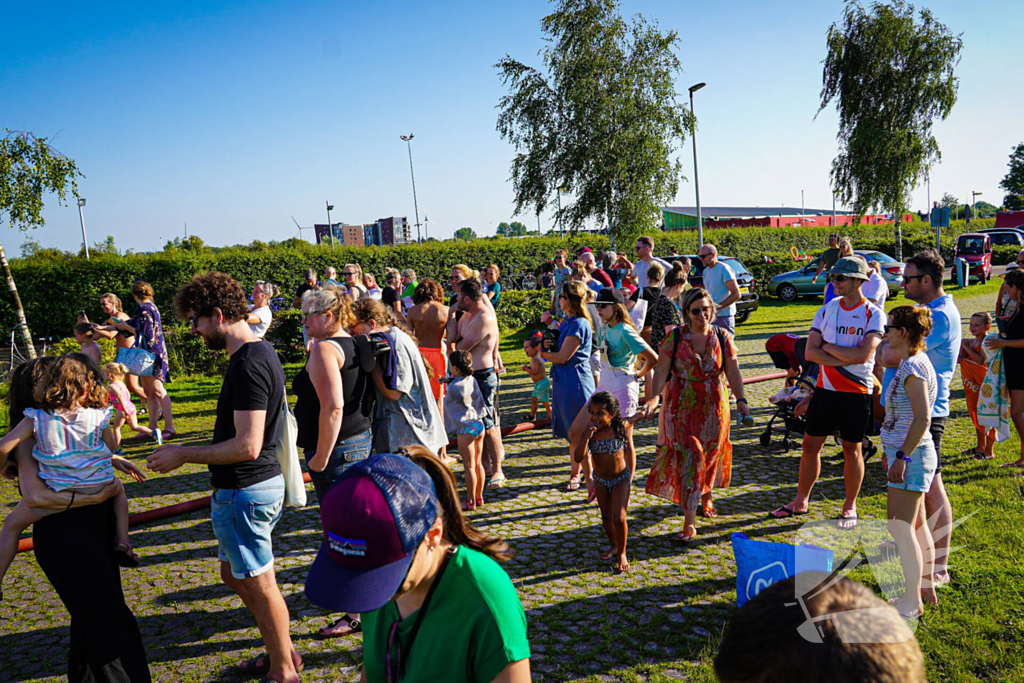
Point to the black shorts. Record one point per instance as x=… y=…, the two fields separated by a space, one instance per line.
x=937 y=429
x=832 y=411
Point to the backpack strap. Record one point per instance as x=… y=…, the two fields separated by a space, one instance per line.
x=364 y=353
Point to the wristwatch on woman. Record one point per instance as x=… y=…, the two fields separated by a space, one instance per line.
x=904 y=458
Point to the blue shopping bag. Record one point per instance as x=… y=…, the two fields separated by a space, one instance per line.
x=759 y=564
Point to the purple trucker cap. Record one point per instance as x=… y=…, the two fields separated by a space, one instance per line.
x=374 y=518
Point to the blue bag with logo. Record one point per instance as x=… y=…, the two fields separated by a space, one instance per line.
x=759 y=564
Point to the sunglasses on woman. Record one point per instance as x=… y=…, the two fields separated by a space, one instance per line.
x=698 y=311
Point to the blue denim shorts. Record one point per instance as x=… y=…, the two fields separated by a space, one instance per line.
x=243 y=520
x=919 y=473
x=487 y=379
x=350 y=450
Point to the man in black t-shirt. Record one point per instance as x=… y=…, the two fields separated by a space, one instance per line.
x=248 y=488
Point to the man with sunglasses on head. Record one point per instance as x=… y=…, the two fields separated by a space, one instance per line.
x=844 y=335
x=645 y=252
x=248 y=488
x=922 y=283
x=720 y=283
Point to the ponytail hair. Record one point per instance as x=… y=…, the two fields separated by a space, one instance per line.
x=675 y=276
x=115 y=371
x=457 y=528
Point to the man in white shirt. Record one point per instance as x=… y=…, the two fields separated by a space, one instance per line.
x=875 y=290
x=844 y=335
x=645 y=249
x=720 y=283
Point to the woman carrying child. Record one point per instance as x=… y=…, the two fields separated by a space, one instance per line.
x=73 y=446
x=910 y=457
x=973 y=368
x=605 y=439
x=464 y=411
x=541 y=395
x=121 y=402
x=105 y=643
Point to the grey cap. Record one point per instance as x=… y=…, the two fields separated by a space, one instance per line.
x=851 y=266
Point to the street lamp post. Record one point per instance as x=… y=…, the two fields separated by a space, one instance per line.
x=81 y=217
x=330 y=228
x=696 y=181
x=408 y=141
x=974 y=204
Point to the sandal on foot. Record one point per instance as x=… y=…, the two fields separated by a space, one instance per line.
x=688 y=533
x=574 y=483
x=848 y=518
x=479 y=502
x=256 y=666
x=334 y=630
x=785 y=512
x=169 y=435
x=707 y=509
x=468 y=505
x=496 y=482
x=982 y=456
x=125 y=556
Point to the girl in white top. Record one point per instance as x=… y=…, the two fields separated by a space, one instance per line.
x=260 y=315
x=73 y=444
x=910 y=457
x=464 y=410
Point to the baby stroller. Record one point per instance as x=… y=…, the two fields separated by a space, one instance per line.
x=788 y=353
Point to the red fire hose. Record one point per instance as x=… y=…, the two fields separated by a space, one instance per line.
x=155 y=514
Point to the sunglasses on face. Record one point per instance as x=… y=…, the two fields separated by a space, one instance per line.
x=703 y=256
x=908 y=278
x=604 y=305
x=698 y=311
x=839 y=278
x=1020 y=261
x=562 y=296
x=892 y=327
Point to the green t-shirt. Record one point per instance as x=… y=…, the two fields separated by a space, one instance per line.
x=474 y=627
x=830 y=257
x=623 y=344
x=410 y=289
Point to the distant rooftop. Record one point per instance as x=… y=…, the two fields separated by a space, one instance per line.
x=749 y=211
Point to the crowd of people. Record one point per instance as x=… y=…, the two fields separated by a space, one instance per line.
x=392 y=372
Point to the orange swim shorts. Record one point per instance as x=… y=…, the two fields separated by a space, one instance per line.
x=436 y=359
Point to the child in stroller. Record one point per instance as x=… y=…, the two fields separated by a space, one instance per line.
x=787 y=352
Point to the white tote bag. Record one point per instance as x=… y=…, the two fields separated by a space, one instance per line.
x=288 y=458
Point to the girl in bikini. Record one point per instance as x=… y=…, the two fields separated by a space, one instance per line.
x=605 y=439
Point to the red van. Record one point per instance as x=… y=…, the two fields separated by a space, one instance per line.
x=976 y=249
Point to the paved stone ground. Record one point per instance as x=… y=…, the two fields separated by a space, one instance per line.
x=585 y=620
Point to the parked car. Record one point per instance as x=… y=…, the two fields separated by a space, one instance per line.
x=976 y=249
x=749 y=300
x=796 y=283
x=1005 y=236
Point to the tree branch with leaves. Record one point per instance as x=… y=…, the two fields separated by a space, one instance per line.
x=891 y=77
x=30 y=168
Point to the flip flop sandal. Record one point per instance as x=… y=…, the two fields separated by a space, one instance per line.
x=591 y=495
x=496 y=483
x=125 y=556
x=688 y=533
x=708 y=510
x=785 y=513
x=574 y=484
x=168 y=436
x=982 y=456
x=354 y=627
x=256 y=666
x=468 y=505
x=852 y=518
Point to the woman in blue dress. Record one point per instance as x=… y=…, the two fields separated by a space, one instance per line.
x=150 y=331
x=572 y=380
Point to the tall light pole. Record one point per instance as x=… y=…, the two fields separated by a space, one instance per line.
x=330 y=228
x=408 y=141
x=696 y=181
x=974 y=206
x=81 y=217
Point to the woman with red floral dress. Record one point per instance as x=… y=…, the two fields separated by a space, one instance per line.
x=695 y=360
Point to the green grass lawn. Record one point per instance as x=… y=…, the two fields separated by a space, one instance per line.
x=662 y=621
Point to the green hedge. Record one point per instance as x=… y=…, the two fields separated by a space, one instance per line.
x=55 y=286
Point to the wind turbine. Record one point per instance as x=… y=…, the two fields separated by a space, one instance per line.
x=299 y=227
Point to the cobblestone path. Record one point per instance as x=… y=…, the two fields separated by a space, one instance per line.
x=585 y=620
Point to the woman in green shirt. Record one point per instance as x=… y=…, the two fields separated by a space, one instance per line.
x=436 y=605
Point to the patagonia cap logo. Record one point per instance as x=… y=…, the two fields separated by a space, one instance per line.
x=346 y=546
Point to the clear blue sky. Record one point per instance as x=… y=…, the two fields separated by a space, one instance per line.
x=234 y=116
